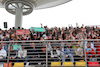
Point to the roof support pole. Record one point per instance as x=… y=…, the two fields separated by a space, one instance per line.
x=18 y=17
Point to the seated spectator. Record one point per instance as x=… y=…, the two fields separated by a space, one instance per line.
x=13 y=53
x=31 y=53
x=3 y=53
x=49 y=46
x=56 y=53
x=32 y=49
x=1 y=34
x=91 y=45
x=42 y=55
x=22 y=53
x=90 y=51
x=78 y=53
x=4 y=45
x=68 y=52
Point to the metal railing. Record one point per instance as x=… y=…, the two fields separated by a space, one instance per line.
x=42 y=53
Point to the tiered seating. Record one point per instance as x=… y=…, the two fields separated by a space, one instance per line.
x=18 y=65
x=83 y=64
x=67 y=64
x=55 y=64
x=93 y=64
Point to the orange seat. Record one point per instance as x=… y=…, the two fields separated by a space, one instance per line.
x=6 y=64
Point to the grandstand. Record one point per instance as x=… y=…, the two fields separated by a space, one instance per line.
x=54 y=46
x=47 y=47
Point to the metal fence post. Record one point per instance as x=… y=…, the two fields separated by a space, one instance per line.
x=85 y=55
x=8 y=55
x=46 y=55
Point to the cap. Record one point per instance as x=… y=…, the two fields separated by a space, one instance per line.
x=34 y=34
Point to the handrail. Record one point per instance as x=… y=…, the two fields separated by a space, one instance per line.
x=49 y=40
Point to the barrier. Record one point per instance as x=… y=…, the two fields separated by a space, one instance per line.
x=43 y=53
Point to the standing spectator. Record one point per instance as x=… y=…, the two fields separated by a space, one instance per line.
x=35 y=37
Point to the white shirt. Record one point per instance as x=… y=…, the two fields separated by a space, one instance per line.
x=44 y=35
x=78 y=49
x=92 y=45
x=3 y=53
x=23 y=53
x=1 y=36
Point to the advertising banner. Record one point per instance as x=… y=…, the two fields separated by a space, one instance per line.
x=37 y=29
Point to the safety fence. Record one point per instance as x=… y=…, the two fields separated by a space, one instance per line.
x=50 y=53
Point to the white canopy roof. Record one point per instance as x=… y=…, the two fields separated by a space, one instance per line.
x=41 y=4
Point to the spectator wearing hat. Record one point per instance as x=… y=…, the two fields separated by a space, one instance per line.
x=35 y=37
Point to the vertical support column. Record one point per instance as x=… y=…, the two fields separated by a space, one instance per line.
x=18 y=18
x=8 y=55
x=85 y=54
x=46 y=55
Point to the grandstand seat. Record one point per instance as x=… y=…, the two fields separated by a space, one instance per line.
x=67 y=64
x=80 y=64
x=55 y=64
x=94 y=64
x=6 y=64
x=18 y=64
x=81 y=60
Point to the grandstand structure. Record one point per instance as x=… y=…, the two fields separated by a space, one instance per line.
x=46 y=47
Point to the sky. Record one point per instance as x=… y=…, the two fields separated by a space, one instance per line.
x=85 y=12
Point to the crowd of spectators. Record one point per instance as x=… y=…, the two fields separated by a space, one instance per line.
x=61 y=52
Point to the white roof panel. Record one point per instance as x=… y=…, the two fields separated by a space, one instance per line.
x=41 y=4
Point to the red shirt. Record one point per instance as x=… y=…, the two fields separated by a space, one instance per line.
x=92 y=51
